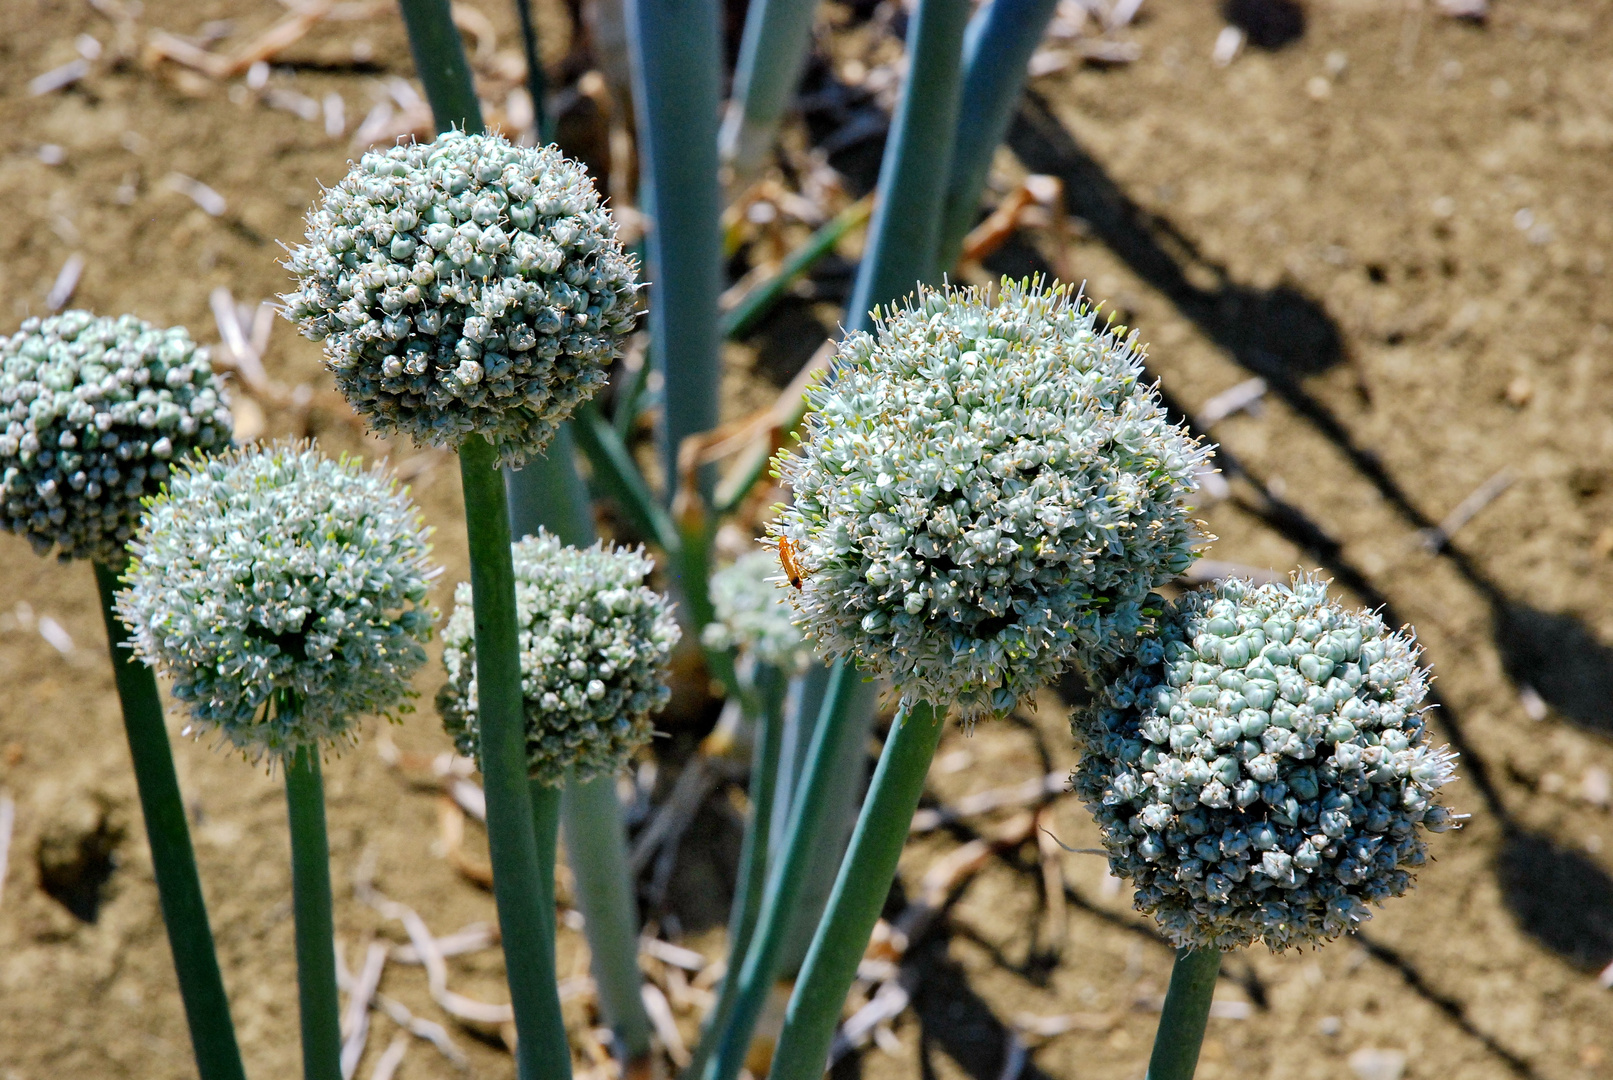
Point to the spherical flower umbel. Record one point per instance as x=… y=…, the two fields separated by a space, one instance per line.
x=278 y=569
x=754 y=615
x=1259 y=766
x=95 y=413
x=594 y=644
x=986 y=490
x=465 y=286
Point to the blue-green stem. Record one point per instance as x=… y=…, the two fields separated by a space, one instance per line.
x=1186 y=1012
x=677 y=75
x=518 y=881
x=772 y=54
x=848 y=773
x=903 y=237
x=179 y=888
x=751 y=880
x=859 y=894
x=785 y=882
x=549 y=493
x=997 y=49
x=440 y=61
x=596 y=841
x=318 y=1007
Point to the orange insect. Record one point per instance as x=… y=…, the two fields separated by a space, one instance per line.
x=787 y=559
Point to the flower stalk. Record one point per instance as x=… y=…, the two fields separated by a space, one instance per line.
x=1187 y=1011
x=859 y=894
x=518 y=879
x=179 y=888
x=318 y=1007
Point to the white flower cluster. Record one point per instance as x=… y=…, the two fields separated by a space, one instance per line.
x=95 y=413
x=987 y=490
x=1260 y=767
x=276 y=568
x=594 y=643
x=465 y=286
x=754 y=615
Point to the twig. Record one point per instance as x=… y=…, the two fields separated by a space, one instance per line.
x=984 y=802
x=387 y=1064
x=429 y=1030
x=455 y=1005
x=668 y=953
x=473 y=938
x=889 y=1001
x=8 y=819
x=197 y=192
x=61 y=291
x=1245 y=395
x=356 y=1023
x=58 y=78
x=1435 y=539
x=243 y=359
x=666 y=1027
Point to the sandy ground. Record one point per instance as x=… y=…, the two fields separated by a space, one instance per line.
x=1399 y=220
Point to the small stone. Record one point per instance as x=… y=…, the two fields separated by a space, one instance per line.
x=1519 y=392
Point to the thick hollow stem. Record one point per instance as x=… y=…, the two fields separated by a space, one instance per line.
x=785 y=882
x=772 y=54
x=517 y=874
x=311 y=906
x=751 y=880
x=905 y=233
x=1187 y=1010
x=179 y=889
x=440 y=61
x=549 y=493
x=996 y=49
x=859 y=894
x=677 y=76
x=596 y=843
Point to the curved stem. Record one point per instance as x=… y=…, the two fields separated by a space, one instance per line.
x=311 y=906
x=179 y=888
x=541 y=1049
x=1187 y=1010
x=785 y=882
x=859 y=894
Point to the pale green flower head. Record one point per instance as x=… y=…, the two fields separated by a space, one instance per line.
x=1260 y=766
x=95 y=412
x=465 y=286
x=594 y=641
x=275 y=568
x=987 y=490
x=754 y=615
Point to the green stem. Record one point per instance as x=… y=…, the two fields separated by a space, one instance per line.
x=548 y=492
x=1187 y=1010
x=311 y=906
x=179 y=889
x=996 y=50
x=785 y=882
x=546 y=834
x=596 y=841
x=772 y=53
x=439 y=60
x=859 y=894
x=903 y=237
x=751 y=881
x=677 y=75
x=617 y=474
x=541 y=1049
